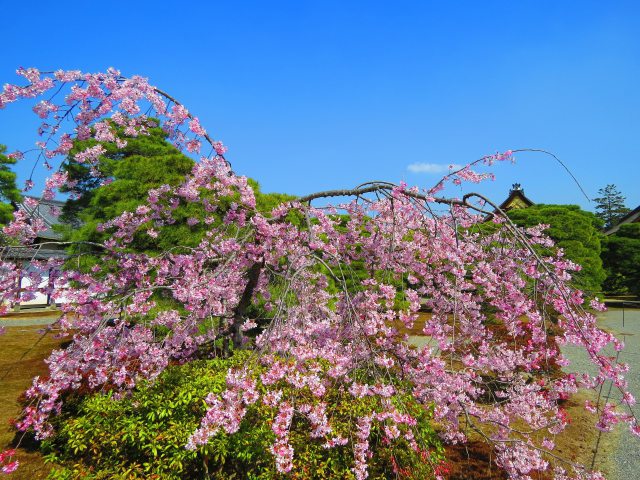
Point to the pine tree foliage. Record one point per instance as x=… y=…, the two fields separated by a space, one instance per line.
x=610 y=205
x=9 y=192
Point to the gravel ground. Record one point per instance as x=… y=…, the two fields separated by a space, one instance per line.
x=618 y=453
x=624 y=459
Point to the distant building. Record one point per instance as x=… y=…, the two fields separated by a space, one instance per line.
x=632 y=217
x=49 y=212
x=516 y=199
x=45 y=246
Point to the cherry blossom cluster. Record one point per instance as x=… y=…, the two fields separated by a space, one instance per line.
x=8 y=465
x=499 y=310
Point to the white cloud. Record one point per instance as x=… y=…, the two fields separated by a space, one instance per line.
x=432 y=167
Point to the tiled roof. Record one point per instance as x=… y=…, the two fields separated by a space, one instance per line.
x=516 y=198
x=631 y=217
x=49 y=211
x=30 y=253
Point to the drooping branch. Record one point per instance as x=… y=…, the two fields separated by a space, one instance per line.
x=374 y=187
x=206 y=136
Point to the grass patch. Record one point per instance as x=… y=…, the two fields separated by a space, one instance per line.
x=22 y=354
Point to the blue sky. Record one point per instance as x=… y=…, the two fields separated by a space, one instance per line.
x=317 y=95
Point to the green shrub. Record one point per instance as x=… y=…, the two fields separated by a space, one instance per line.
x=144 y=435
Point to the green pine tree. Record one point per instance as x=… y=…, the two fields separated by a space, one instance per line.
x=9 y=192
x=574 y=230
x=147 y=162
x=610 y=205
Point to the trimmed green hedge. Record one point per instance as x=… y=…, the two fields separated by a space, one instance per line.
x=144 y=435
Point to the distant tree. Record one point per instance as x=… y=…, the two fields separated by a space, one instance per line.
x=9 y=192
x=146 y=161
x=610 y=205
x=125 y=177
x=621 y=260
x=576 y=231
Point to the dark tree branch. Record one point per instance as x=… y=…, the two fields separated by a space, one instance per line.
x=375 y=187
x=252 y=281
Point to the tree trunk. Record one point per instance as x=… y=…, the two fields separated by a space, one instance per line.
x=238 y=318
